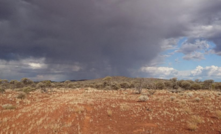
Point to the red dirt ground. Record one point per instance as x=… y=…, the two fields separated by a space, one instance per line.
x=111 y=112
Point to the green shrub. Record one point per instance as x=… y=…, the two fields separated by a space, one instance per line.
x=218 y=86
x=21 y=95
x=195 y=86
x=168 y=84
x=207 y=84
x=26 y=81
x=99 y=85
x=185 y=84
x=107 y=88
x=115 y=86
x=160 y=85
x=27 y=89
x=125 y=85
x=2 y=90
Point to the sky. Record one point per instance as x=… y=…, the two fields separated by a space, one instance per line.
x=71 y=39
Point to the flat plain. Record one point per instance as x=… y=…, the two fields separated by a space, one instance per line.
x=92 y=111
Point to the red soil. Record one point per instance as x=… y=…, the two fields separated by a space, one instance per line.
x=110 y=112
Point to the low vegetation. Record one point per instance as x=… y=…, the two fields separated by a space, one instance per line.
x=110 y=105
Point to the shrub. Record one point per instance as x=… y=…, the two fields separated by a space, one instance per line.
x=108 y=79
x=21 y=95
x=185 y=85
x=99 y=85
x=71 y=85
x=115 y=86
x=19 y=85
x=195 y=86
x=107 y=88
x=173 y=79
x=2 y=90
x=143 y=98
x=168 y=84
x=151 y=92
x=42 y=86
x=160 y=85
x=208 y=83
x=27 y=89
x=26 y=81
x=125 y=85
x=218 y=86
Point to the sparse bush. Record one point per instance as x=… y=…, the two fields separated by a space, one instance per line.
x=8 y=106
x=174 y=80
x=108 y=79
x=71 y=85
x=185 y=85
x=196 y=119
x=2 y=90
x=168 y=84
x=143 y=98
x=195 y=86
x=139 y=85
x=13 y=83
x=19 y=85
x=151 y=92
x=26 y=81
x=115 y=86
x=218 y=86
x=42 y=86
x=207 y=84
x=125 y=85
x=107 y=88
x=197 y=81
x=21 y=95
x=160 y=85
x=28 y=89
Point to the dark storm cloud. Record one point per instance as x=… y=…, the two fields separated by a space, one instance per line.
x=100 y=37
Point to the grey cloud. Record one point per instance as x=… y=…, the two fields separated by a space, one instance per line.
x=101 y=37
x=194 y=56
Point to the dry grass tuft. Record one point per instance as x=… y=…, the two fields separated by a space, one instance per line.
x=8 y=106
x=143 y=98
x=109 y=113
x=196 y=119
x=197 y=99
x=218 y=114
x=79 y=109
x=191 y=126
x=172 y=98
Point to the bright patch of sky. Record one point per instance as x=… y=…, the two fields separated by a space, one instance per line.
x=189 y=55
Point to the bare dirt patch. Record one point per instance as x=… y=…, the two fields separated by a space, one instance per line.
x=111 y=112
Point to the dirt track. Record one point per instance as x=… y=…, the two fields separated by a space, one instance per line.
x=110 y=112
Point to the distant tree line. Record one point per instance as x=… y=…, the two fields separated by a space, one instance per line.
x=110 y=83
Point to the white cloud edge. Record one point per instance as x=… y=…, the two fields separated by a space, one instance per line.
x=208 y=72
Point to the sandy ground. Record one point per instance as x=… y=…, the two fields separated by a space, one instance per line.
x=111 y=112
